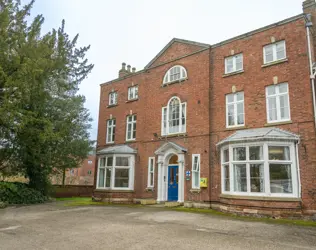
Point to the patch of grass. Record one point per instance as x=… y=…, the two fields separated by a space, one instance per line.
x=80 y=201
x=247 y=218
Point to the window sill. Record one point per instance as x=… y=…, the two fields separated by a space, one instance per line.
x=236 y=128
x=113 y=190
x=195 y=190
x=111 y=106
x=109 y=143
x=259 y=198
x=277 y=123
x=274 y=63
x=176 y=81
x=149 y=189
x=132 y=100
x=233 y=73
x=130 y=141
x=175 y=135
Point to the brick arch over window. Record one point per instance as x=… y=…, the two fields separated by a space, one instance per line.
x=174 y=74
x=174 y=117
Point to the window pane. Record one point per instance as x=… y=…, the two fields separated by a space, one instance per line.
x=231 y=117
x=151 y=179
x=284 y=110
x=108 y=177
x=195 y=163
x=280 y=49
x=280 y=178
x=268 y=50
x=239 y=62
x=240 y=113
x=279 y=153
x=110 y=161
x=240 y=96
x=283 y=88
x=226 y=155
x=230 y=98
x=229 y=65
x=102 y=162
x=255 y=153
x=240 y=178
x=121 y=161
x=196 y=179
x=121 y=178
x=272 y=108
x=239 y=154
x=226 y=178
x=256 y=178
x=271 y=90
x=101 y=177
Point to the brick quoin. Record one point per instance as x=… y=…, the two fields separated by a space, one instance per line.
x=204 y=91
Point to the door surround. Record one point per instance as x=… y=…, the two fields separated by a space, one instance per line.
x=165 y=152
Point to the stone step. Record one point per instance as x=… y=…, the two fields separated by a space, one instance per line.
x=172 y=204
x=148 y=201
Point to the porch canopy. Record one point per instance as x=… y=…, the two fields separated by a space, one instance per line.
x=119 y=149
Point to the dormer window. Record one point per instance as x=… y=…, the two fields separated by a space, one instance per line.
x=176 y=73
x=113 y=98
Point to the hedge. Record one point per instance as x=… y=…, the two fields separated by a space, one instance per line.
x=19 y=193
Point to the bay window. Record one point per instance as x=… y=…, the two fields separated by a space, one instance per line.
x=260 y=169
x=116 y=172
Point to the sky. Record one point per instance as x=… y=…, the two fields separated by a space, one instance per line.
x=134 y=31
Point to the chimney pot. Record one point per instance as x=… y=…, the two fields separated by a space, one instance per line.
x=129 y=68
x=123 y=65
x=134 y=69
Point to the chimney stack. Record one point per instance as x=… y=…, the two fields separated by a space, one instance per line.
x=123 y=71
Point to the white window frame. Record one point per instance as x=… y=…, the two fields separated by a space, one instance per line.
x=235 y=103
x=110 y=128
x=169 y=75
x=113 y=98
x=182 y=128
x=131 y=167
x=132 y=93
x=274 y=51
x=265 y=161
x=278 y=106
x=151 y=160
x=234 y=58
x=133 y=127
x=194 y=171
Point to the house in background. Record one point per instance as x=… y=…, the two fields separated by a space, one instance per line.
x=83 y=175
x=229 y=126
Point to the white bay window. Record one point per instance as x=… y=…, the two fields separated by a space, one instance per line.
x=116 y=172
x=260 y=169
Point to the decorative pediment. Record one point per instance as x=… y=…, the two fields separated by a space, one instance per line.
x=170 y=145
x=176 y=48
x=260 y=134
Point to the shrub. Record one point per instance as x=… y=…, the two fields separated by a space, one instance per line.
x=19 y=193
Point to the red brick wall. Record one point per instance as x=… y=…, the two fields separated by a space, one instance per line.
x=253 y=82
x=152 y=97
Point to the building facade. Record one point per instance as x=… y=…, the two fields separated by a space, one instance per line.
x=229 y=125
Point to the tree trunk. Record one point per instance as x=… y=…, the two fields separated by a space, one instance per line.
x=64 y=176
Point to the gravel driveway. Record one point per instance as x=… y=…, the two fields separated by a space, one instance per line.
x=53 y=226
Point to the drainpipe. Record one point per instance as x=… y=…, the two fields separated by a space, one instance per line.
x=298 y=170
x=312 y=75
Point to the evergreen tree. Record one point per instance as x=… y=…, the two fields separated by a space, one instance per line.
x=43 y=122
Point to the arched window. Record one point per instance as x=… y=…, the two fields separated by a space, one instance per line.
x=176 y=73
x=174 y=117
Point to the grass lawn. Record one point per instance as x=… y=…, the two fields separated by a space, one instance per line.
x=86 y=201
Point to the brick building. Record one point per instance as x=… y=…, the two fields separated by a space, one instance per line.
x=229 y=125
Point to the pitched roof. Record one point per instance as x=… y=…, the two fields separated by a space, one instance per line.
x=203 y=45
x=119 y=149
x=258 y=134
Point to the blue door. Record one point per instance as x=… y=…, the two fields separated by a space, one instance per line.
x=173 y=183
